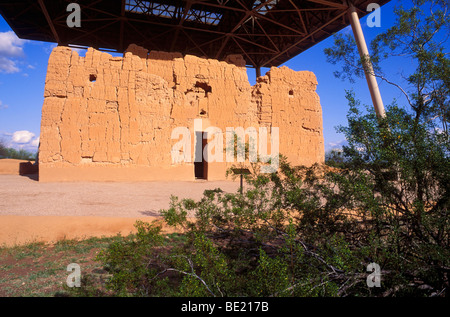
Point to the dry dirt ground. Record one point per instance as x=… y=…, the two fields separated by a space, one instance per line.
x=33 y=212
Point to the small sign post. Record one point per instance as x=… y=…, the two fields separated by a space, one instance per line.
x=241 y=172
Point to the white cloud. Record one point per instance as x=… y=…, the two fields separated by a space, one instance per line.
x=7 y=65
x=35 y=142
x=18 y=140
x=22 y=137
x=335 y=145
x=11 y=47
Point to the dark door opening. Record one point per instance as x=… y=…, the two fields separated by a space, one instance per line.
x=200 y=164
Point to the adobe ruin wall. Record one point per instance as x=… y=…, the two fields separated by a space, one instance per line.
x=108 y=118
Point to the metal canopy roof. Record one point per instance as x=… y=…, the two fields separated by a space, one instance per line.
x=266 y=32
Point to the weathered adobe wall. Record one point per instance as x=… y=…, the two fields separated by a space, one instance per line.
x=110 y=118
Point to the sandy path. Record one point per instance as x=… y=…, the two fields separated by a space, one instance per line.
x=18 y=230
x=20 y=195
x=33 y=211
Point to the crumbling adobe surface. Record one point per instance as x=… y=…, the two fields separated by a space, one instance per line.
x=109 y=118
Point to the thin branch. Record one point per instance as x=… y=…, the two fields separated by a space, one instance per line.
x=365 y=69
x=193 y=274
x=190 y=274
x=396 y=85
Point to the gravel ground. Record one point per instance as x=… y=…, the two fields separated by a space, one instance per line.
x=48 y=212
x=21 y=195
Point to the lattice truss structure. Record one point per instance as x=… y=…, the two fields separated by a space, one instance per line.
x=267 y=33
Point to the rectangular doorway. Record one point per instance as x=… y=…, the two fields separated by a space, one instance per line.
x=200 y=164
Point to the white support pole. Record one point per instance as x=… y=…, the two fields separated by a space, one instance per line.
x=364 y=53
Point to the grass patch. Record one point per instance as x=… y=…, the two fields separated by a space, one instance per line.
x=39 y=269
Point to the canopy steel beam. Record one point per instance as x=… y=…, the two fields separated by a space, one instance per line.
x=267 y=33
x=49 y=21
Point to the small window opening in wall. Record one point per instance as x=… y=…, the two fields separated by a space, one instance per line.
x=291 y=93
x=204 y=86
x=92 y=78
x=202 y=112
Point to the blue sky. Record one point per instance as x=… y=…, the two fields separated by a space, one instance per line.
x=23 y=66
